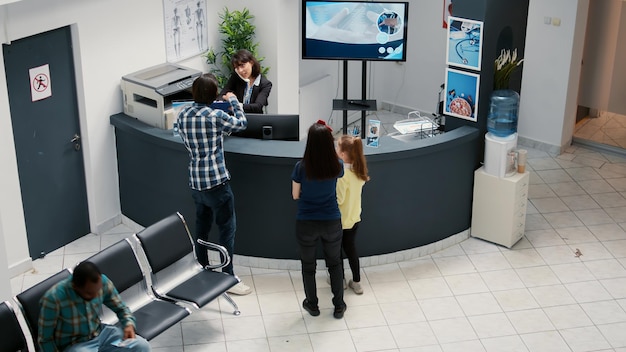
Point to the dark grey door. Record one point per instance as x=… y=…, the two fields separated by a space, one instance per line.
x=47 y=140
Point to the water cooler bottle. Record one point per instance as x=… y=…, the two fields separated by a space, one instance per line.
x=496 y=153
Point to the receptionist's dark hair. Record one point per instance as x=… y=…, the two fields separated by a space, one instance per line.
x=242 y=56
x=204 y=89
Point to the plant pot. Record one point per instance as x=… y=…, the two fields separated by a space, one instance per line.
x=503 y=111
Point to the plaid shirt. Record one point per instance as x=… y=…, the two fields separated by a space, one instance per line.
x=202 y=130
x=66 y=318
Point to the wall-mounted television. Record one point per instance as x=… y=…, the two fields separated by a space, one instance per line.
x=354 y=30
x=284 y=127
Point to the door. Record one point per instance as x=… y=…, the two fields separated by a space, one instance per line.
x=47 y=139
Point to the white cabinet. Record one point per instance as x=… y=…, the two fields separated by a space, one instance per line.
x=499 y=207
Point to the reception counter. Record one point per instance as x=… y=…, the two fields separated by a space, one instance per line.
x=420 y=190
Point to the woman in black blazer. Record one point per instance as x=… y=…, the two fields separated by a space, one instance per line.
x=247 y=83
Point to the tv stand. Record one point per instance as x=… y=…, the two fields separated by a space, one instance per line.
x=362 y=104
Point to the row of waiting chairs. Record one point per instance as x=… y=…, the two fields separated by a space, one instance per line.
x=161 y=292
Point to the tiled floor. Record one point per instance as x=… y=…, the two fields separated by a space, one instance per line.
x=476 y=296
x=608 y=128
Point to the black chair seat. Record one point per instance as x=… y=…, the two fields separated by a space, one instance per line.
x=12 y=335
x=119 y=263
x=29 y=300
x=156 y=317
x=203 y=287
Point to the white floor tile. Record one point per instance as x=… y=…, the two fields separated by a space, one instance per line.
x=473 y=296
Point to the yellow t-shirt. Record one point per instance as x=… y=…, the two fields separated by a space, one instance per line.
x=349 y=189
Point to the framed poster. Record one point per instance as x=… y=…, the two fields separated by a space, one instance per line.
x=461 y=94
x=465 y=38
x=185 y=28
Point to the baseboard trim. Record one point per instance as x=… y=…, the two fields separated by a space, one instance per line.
x=409 y=254
x=599 y=146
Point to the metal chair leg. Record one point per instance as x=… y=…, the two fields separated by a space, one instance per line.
x=230 y=300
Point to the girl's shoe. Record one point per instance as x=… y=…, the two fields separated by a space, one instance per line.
x=356 y=287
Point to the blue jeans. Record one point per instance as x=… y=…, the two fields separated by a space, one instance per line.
x=329 y=232
x=103 y=342
x=219 y=203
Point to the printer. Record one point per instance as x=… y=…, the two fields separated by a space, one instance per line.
x=148 y=94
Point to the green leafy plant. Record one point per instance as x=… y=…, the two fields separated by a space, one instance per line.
x=504 y=65
x=237 y=32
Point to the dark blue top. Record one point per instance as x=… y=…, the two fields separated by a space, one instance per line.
x=318 y=198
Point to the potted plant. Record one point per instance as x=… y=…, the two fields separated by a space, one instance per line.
x=237 y=32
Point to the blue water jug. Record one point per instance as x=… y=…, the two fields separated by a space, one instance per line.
x=503 y=110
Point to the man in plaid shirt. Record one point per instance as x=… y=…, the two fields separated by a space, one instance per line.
x=69 y=319
x=202 y=130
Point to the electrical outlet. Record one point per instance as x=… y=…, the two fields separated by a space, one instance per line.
x=547 y=20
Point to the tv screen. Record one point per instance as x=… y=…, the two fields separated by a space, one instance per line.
x=284 y=127
x=354 y=30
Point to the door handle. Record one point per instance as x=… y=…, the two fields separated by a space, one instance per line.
x=76 y=138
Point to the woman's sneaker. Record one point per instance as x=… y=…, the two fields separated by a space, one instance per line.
x=356 y=287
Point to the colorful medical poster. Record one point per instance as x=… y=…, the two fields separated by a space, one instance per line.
x=465 y=39
x=185 y=28
x=461 y=90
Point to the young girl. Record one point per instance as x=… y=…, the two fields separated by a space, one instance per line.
x=314 y=182
x=349 y=187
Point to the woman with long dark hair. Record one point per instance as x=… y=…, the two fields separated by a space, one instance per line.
x=314 y=183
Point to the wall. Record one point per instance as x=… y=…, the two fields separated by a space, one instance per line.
x=617 y=103
x=599 y=53
x=551 y=74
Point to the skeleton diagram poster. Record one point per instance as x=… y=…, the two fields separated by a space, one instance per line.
x=185 y=28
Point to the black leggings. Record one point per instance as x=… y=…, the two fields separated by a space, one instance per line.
x=348 y=243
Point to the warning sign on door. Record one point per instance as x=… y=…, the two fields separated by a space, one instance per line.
x=40 y=87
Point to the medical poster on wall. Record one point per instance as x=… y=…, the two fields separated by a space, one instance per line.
x=465 y=39
x=461 y=90
x=185 y=28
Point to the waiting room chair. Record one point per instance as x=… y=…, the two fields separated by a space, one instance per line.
x=176 y=273
x=153 y=315
x=29 y=301
x=13 y=339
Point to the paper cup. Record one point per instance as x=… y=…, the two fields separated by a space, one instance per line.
x=522 y=154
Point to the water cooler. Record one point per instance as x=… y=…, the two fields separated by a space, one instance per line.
x=497 y=149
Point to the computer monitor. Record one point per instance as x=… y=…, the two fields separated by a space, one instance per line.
x=284 y=127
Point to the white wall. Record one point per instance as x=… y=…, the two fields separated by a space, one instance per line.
x=551 y=73
x=599 y=53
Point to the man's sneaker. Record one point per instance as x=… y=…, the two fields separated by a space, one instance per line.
x=345 y=284
x=339 y=310
x=356 y=287
x=313 y=310
x=240 y=289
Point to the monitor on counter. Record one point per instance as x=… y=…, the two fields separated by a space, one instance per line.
x=285 y=127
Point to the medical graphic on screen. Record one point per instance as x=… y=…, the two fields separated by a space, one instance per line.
x=354 y=30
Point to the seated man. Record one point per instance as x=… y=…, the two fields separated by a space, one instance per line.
x=69 y=320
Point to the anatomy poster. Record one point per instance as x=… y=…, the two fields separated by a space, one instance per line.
x=185 y=28
x=461 y=90
x=464 y=47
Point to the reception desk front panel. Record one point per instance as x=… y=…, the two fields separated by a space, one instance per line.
x=420 y=190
